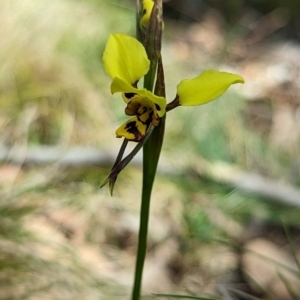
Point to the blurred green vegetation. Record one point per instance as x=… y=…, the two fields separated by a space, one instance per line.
x=53 y=91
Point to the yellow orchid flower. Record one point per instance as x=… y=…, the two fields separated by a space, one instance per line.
x=126 y=62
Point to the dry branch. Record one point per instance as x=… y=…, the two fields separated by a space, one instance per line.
x=219 y=172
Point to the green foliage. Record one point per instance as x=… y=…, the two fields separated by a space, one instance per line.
x=200 y=226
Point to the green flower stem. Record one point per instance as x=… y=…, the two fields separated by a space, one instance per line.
x=151 y=153
x=152 y=148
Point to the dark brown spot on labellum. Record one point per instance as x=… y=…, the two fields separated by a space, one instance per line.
x=157 y=107
x=132 y=128
x=129 y=95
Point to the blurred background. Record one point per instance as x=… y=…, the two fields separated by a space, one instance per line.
x=225 y=217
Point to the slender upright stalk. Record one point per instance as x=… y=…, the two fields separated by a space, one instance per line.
x=152 y=148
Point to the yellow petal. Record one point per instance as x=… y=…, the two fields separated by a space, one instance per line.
x=119 y=85
x=206 y=87
x=125 y=57
x=146 y=13
x=135 y=128
x=147 y=9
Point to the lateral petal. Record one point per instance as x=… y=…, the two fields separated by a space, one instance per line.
x=206 y=87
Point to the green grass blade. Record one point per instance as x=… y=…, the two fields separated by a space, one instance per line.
x=292 y=246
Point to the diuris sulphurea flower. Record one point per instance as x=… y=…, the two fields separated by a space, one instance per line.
x=125 y=61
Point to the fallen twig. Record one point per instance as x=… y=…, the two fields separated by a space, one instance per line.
x=219 y=172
